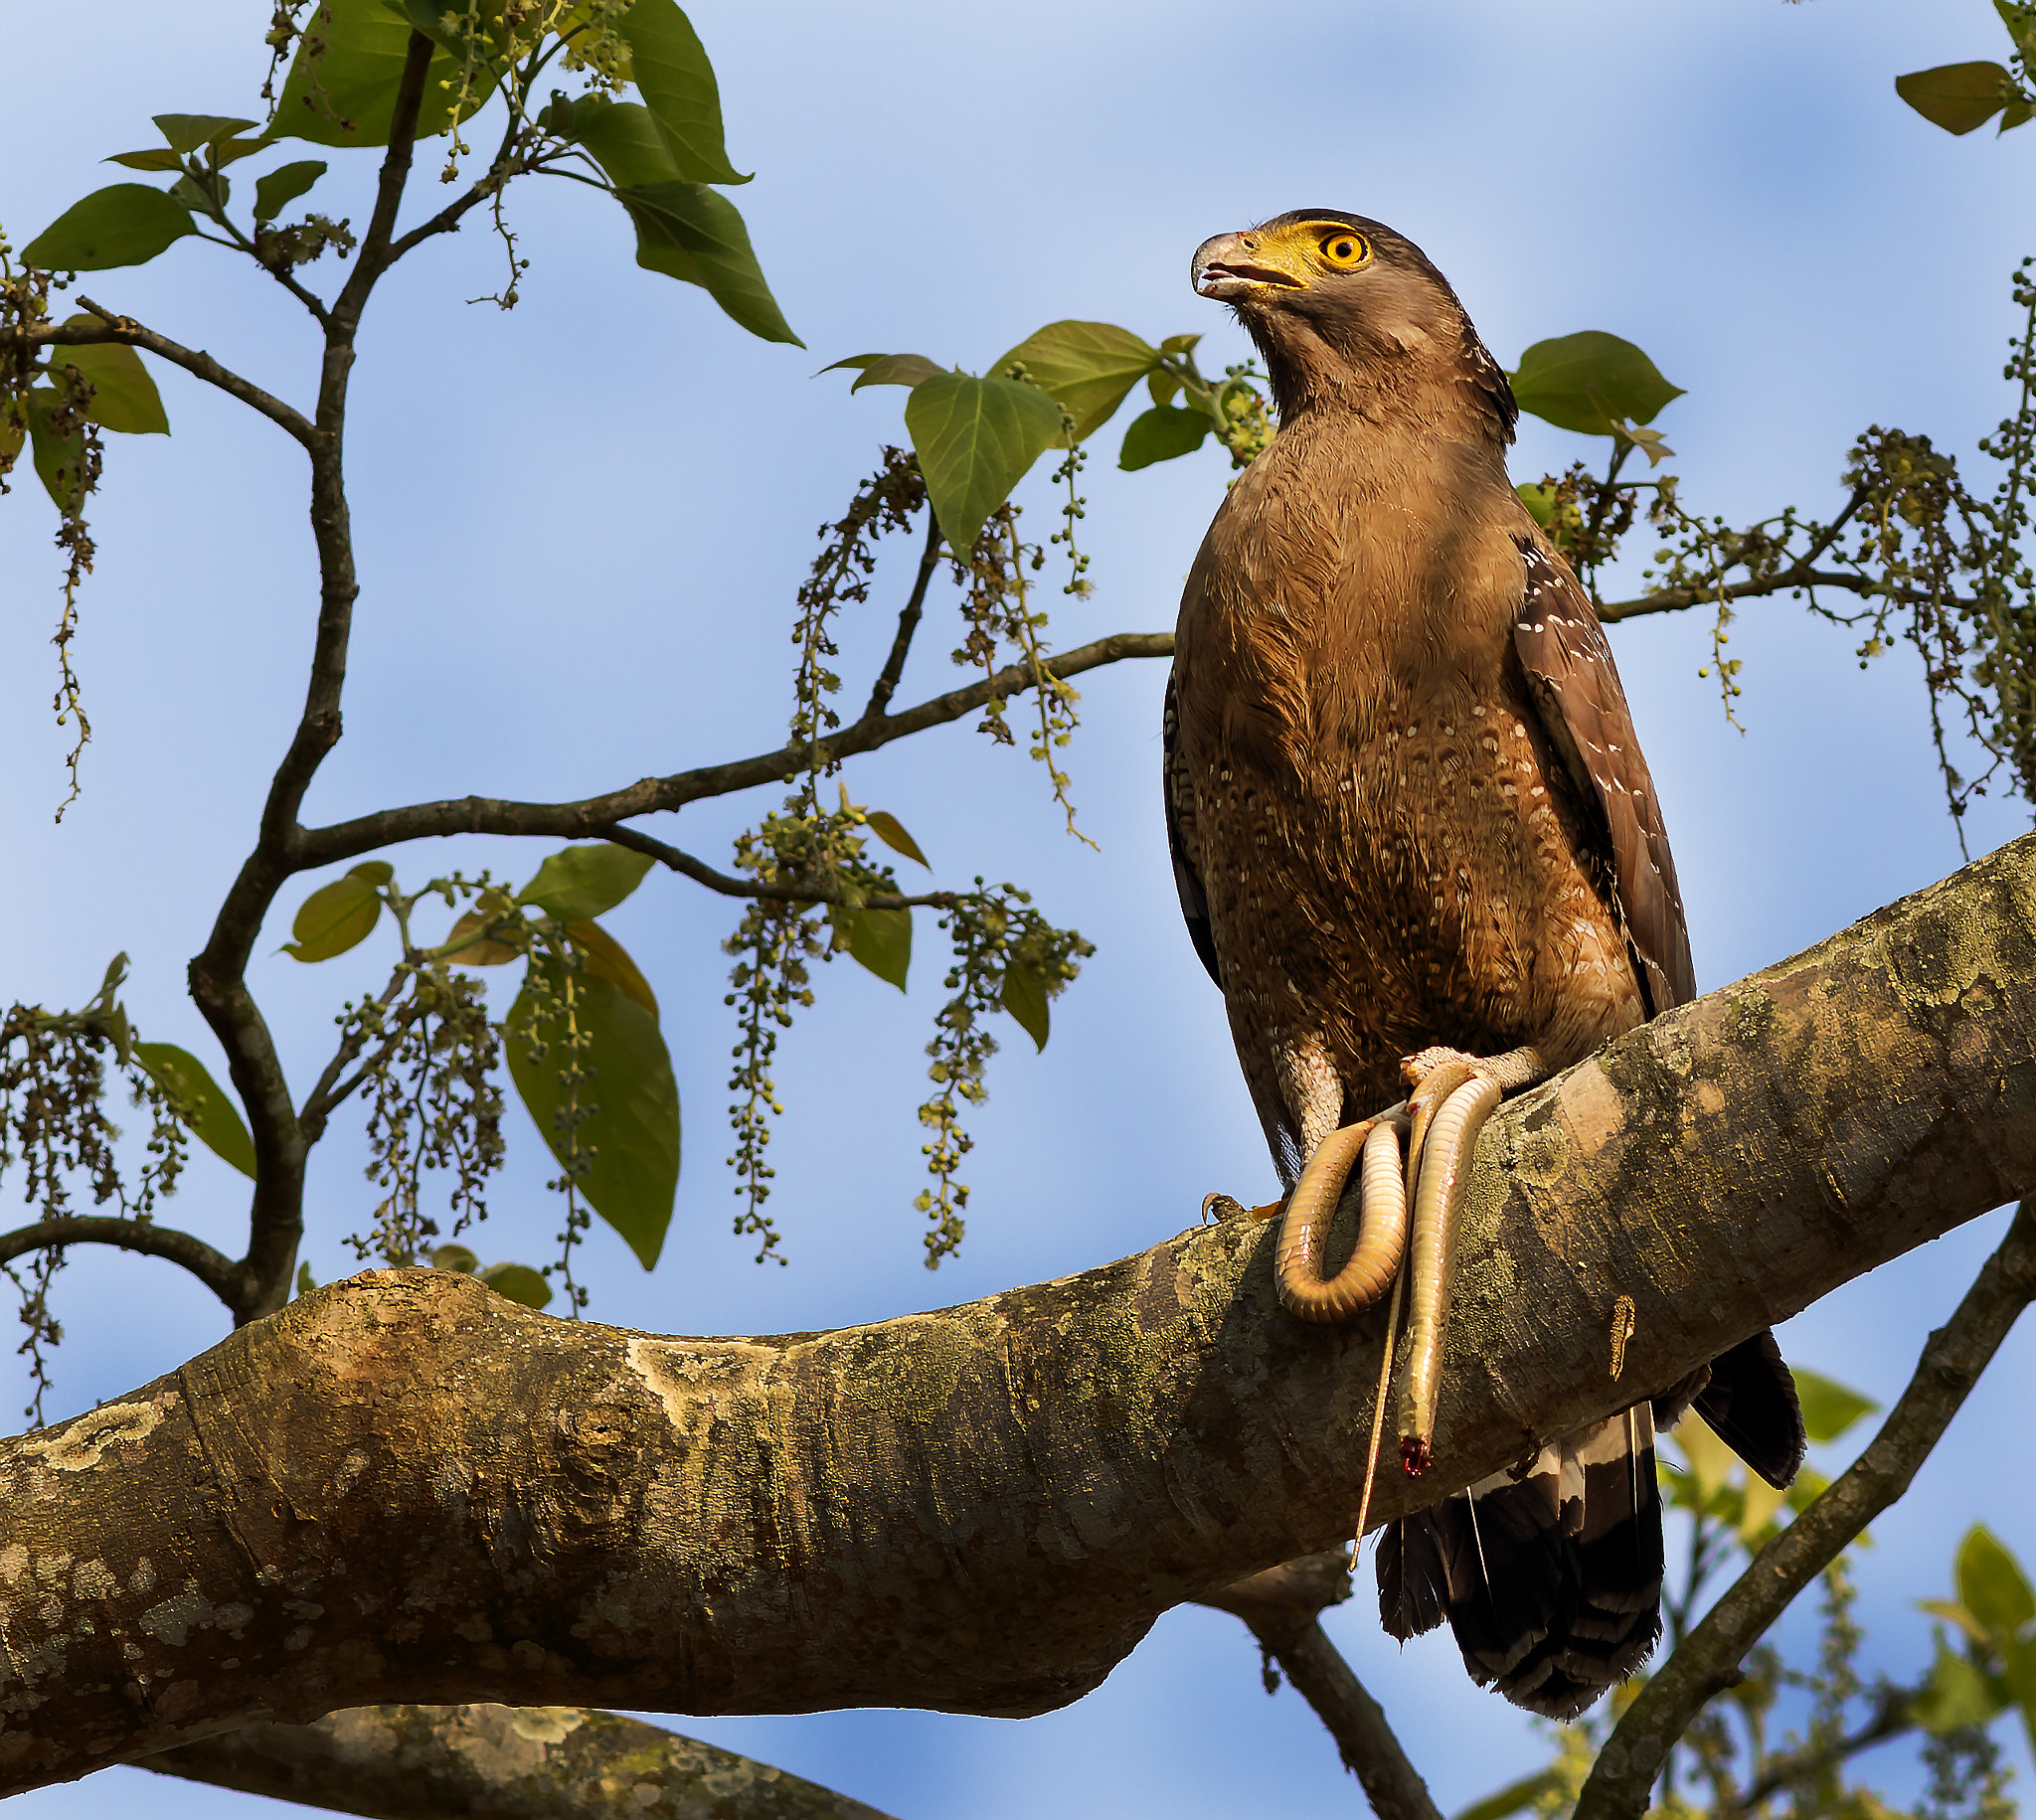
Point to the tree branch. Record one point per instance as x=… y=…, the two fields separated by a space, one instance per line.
x=406 y=1487
x=1675 y=600
x=195 y=362
x=1282 y=1606
x=217 y=1272
x=408 y=1763
x=594 y=816
x=886 y=683
x=1708 y=1658
x=218 y=974
x=787 y=890
x=1894 y=1714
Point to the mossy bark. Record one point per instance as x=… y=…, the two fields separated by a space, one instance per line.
x=405 y=1488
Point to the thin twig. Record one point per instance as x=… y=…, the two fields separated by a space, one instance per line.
x=1894 y=1714
x=785 y=891
x=1709 y=1659
x=886 y=683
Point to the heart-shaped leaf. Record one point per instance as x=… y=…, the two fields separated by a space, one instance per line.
x=1163 y=433
x=127 y=223
x=669 y=67
x=186 y=132
x=578 y=884
x=283 y=185
x=1087 y=366
x=1556 y=379
x=975 y=439
x=124 y=397
x=1958 y=96
x=342 y=85
x=339 y=916
x=881 y=939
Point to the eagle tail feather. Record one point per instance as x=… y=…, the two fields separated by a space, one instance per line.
x=1552 y=1580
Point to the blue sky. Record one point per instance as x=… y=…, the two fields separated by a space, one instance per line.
x=582 y=525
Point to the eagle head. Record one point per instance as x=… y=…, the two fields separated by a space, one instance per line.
x=1340 y=304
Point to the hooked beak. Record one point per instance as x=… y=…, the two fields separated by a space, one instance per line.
x=1228 y=266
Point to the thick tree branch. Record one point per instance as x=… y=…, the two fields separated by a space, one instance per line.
x=404 y=1487
x=217 y=1272
x=1709 y=1657
x=508 y=1762
x=596 y=815
x=218 y=979
x=194 y=361
x=1283 y=1607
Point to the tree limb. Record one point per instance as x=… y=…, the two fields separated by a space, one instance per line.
x=1710 y=1656
x=886 y=683
x=217 y=1272
x=1282 y=1606
x=408 y=1762
x=404 y=1487
x=594 y=815
x=194 y=361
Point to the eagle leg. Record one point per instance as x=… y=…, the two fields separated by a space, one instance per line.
x=1382 y=1222
x=1453 y=1095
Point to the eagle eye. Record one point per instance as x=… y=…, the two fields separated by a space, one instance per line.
x=1344 y=250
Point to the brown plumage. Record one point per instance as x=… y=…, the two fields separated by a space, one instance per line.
x=1407 y=809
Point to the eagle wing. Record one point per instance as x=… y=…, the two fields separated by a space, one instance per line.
x=1583 y=708
x=1180 y=827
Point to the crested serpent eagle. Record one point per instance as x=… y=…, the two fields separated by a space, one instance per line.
x=1416 y=846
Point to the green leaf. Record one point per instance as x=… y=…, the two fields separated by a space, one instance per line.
x=696 y=234
x=2018 y=1661
x=1758 y=1501
x=1514 y=1796
x=1088 y=367
x=606 y=958
x=1992 y=1585
x=155 y=158
x=283 y=185
x=1711 y=1460
x=1161 y=434
x=519 y=1282
x=342 y=84
x=339 y=916
x=486 y=951
x=306 y=1283
x=1829 y=1408
x=889 y=369
x=1556 y=376
x=59 y=458
x=634 y=1130
x=2021 y=21
x=1162 y=385
x=578 y=884
x=213 y=1119
x=1956 y=1694
x=888 y=829
x=975 y=439
x=1024 y=997
x=1954 y=1614
x=2015 y=113
x=126 y=397
x=1958 y=96
x=881 y=939
x=187 y=132
x=675 y=79
x=457 y=1257
x=623 y=139
x=125 y=224
x=1540 y=500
